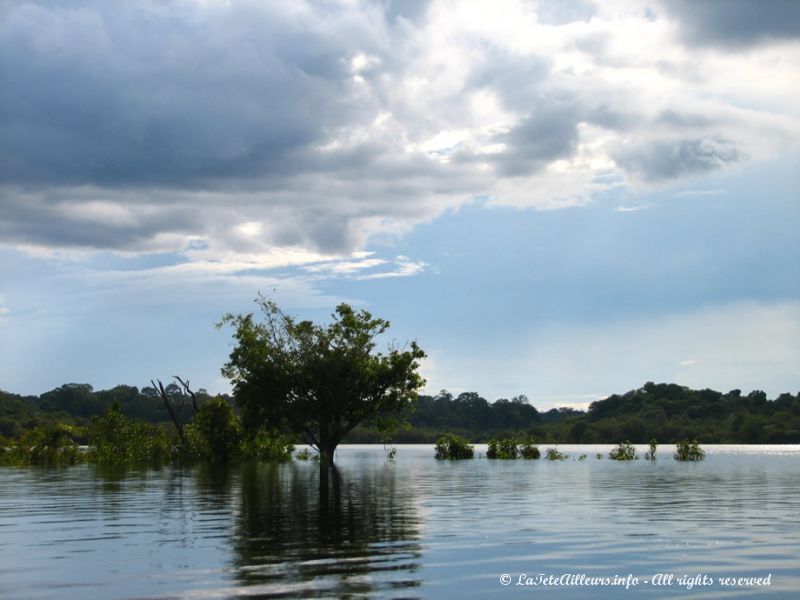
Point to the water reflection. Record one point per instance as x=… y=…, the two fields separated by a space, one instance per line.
x=310 y=531
x=416 y=527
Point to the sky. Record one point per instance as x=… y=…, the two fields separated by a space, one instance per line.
x=558 y=199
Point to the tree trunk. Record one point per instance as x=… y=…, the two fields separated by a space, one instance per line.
x=327 y=450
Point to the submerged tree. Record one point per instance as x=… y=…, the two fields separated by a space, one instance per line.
x=316 y=381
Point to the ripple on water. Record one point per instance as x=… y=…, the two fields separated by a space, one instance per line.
x=414 y=527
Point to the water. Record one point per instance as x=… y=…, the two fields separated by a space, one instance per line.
x=409 y=528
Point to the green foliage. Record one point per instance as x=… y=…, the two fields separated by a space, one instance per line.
x=554 y=454
x=453 y=447
x=510 y=448
x=318 y=382
x=268 y=446
x=47 y=445
x=624 y=451
x=651 y=454
x=503 y=449
x=215 y=433
x=689 y=451
x=528 y=450
x=304 y=455
x=116 y=440
x=666 y=412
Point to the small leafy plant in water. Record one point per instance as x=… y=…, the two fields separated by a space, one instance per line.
x=690 y=451
x=528 y=450
x=306 y=454
x=651 y=454
x=453 y=447
x=510 y=448
x=505 y=449
x=554 y=454
x=624 y=451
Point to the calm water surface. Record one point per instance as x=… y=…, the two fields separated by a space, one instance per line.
x=409 y=528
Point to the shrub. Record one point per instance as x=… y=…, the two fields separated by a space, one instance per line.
x=215 y=433
x=503 y=449
x=48 y=445
x=687 y=450
x=529 y=451
x=304 y=454
x=116 y=440
x=651 y=454
x=453 y=447
x=554 y=454
x=624 y=451
x=268 y=446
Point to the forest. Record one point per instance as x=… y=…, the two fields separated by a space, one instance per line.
x=666 y=412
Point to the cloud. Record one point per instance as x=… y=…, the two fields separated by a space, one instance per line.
x=669 y=159
x=735 y=23
x=251 y=128
x=701 y=193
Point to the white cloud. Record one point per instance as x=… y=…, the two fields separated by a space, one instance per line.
x=330 y=127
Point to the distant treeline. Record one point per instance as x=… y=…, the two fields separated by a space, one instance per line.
x=666 y=412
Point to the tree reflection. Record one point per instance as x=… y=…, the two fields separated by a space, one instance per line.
x=307 y=530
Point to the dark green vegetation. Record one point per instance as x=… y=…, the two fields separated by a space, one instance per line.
x=666 y=412
x=212 y=434
x=555 y=454
x=453 y=447
x=115 y=439
x=319 y=382
x=510 y=448
x=623 y=451
x=687 y=450
x=651 y=454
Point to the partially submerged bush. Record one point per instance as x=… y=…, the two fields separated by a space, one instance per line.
x=554 y=454
x=48 y=445
x=215 y=433
x=510 y=448
x=687 y=450
x=453 y=447
x=624 y=451
x=116 y=440
x=305 y=454
x=529 y=451
x=651 y=454
x=505 y=449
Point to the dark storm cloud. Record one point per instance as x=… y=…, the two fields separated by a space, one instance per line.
x=245 y=125
x=735 y=23
x=92 y=93
x=60 y=222
x=538 y=139
x=660 y=160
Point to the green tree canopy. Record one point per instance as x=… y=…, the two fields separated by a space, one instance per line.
x=317 y=381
